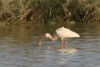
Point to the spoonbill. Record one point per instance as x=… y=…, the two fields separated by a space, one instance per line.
x=62 y=33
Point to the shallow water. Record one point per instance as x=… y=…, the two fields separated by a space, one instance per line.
x=19 y=46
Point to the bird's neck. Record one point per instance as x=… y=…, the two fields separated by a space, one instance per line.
x=53 y=38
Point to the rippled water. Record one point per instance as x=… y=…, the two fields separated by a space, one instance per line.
x=19 y=47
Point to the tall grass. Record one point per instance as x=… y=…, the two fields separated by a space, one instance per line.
x=49 y=11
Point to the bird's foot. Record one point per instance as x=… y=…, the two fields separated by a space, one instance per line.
x=62 y=47
x=65 y=46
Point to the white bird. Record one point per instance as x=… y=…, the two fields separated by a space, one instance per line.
x=62 y=33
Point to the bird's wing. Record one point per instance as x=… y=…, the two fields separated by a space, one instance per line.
x=65 y=33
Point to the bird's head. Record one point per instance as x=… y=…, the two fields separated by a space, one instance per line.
x=47 y=35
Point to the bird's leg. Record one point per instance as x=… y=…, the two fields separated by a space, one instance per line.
x=66 y=43
x=62 y=43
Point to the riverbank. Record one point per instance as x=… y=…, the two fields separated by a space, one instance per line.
x=49 y=11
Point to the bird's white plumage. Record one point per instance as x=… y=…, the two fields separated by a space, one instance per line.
x=62 y=33
x=48 y=35
x=65 y=33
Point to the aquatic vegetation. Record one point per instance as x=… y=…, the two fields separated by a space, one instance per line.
x=49 y=11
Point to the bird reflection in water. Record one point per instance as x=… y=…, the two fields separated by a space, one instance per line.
x=63 y=55
x=68 y=50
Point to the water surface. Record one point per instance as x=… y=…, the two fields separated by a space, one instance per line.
x=19 y=46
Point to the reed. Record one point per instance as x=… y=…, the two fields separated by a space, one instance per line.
x=48 y=11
